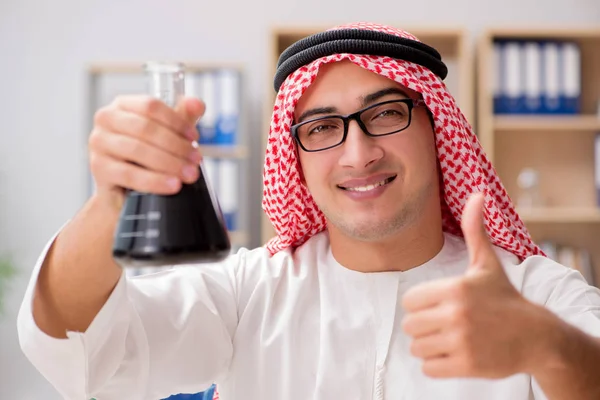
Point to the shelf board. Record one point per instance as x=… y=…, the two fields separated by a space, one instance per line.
x=239 y=238
x=138 y=67
x=543 y=32
x=561 y=215
x=547 y=123
x=223 y=151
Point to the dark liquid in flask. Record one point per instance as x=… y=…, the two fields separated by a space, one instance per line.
x=184 y=228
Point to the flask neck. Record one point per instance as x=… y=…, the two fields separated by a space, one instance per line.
x=166 y=81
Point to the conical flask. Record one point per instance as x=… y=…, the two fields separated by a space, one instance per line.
x=165 y=230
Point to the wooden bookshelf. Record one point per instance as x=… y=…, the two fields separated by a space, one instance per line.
x=560 y=148
x=561 y=215
x=452 y=43
x=134 y=67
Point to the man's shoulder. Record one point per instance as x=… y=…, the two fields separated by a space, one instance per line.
x=533 y=272
x=533 y=265
x=543 y=279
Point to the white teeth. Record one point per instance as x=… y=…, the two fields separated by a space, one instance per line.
x=367 y=188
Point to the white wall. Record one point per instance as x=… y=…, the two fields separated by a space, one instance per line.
x=44 y=46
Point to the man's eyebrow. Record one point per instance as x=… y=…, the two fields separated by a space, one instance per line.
x=316 y=111
x=373 y=97
x=365 y=100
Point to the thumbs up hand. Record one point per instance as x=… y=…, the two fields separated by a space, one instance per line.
x=477 y=324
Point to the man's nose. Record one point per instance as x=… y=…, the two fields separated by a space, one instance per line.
x=359 y=149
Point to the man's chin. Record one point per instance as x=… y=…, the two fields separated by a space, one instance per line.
x=367 y=229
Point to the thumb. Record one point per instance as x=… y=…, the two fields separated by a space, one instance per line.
x=472 y=224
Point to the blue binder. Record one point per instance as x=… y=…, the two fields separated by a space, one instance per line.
x=228 y=114
x=570 y=93
x=510 y=93
x=537 y=77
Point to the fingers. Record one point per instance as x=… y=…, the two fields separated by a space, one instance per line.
x=127 y=149
x=181 y=120
x=427 y=321
x=431 y=346
x=140 y=143
x=147 y=130
x=441 y=367
x=111 y=172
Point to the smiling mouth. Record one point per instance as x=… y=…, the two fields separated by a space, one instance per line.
x=366 y=188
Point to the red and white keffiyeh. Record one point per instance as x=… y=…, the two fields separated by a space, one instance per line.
x=465 y=168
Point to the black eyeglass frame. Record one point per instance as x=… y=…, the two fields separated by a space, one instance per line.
x=411 y=103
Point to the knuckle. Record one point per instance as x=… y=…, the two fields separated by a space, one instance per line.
x=121 y=101
x=151 y=105
x=137 y=148
x=407 y=324
x=101 y=115
x=459 y=315
x=146 y=127
x=460 y=289
x=94 y=139
x=415 y=348
x=94 y=162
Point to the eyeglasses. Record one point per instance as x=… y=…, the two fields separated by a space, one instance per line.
x=381 y=119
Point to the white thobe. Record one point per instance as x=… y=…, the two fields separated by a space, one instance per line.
x=296 y=326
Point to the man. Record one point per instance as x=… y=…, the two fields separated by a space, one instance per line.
x=400 y=269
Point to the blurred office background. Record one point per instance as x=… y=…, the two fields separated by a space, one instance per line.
x=47 y=48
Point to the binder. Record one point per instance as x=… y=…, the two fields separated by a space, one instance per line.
x=532 y=58
x=570 y=72
x=551 y=78
x=228 y=81
x=207 y=90
x=497 y=77
x=512 y=83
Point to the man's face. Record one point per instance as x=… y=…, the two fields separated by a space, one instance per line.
x=368 y=188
